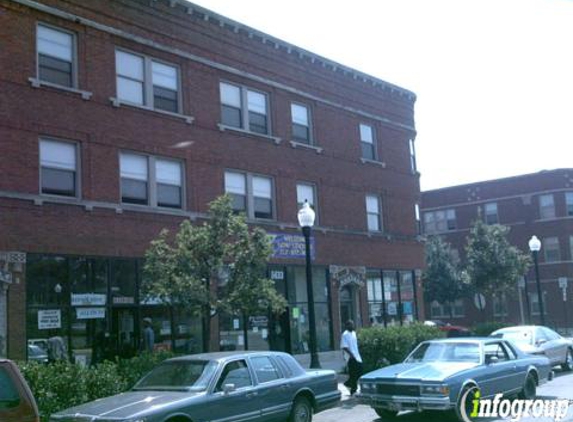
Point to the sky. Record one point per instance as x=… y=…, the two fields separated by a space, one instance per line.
x=493 y=78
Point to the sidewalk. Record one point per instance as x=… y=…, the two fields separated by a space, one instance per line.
x=329 y=360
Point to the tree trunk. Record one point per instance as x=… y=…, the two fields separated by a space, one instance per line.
x=246 y=330
x=206 y=328
x=451 y=308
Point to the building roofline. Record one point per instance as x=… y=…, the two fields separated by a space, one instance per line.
x=480 y=183
x=235 y=27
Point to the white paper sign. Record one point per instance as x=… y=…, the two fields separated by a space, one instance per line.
x=392 y=308
x=50 y=318
x=235 y=324
x=90 y=313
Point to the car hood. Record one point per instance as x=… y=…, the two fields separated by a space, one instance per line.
x=424 y=371
x=130 y=404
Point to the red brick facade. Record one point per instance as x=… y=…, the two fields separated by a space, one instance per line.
x=207 y=49
x=518 y=206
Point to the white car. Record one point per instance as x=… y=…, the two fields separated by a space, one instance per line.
x=540 y=340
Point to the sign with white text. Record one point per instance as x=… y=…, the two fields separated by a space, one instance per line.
x=49 y=319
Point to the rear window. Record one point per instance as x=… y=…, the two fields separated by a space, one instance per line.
x=9 y=396
x=290 y=366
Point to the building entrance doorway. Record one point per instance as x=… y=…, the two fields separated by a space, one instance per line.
x=347 y=297
x=124 y=332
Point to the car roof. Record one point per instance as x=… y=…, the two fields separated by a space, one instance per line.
x=463 y=340
x=224 y=356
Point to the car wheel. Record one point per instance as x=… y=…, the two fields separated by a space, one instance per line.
x=568 y=364
x=529 y=388
x=465 y=403
x=386 y=414
x=301 y=411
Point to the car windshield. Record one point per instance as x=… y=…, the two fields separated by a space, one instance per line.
x=187 y=375
x=523 y=337
x=445 y=352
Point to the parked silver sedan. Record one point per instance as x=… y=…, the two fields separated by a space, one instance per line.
x=539 y=340
x=224 y=386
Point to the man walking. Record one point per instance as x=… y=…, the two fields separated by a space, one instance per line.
x=148 y=336
x=349 y=346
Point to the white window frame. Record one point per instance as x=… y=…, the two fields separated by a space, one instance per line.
x=378 y=214
x=548 y=243
x=77 y=176
x=412 y=150
x=442 y=309
x=74 y=56
x=250 y=199
x=569 y=204
x=373 y=144
x=313 y=202
x=543 y=213
x=148 y=96
x=418 y=218
x=447 y=216
x=487 y=214
x=311 y=140
x=152 y=181
x=244 y=108
x=571 y=248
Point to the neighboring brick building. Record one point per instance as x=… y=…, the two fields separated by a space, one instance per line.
x=123 y=117
x=539 y=204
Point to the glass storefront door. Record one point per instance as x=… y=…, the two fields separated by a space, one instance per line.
x=124 y=332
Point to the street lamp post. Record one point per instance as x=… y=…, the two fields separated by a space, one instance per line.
x=534 y=247
x=306 y=218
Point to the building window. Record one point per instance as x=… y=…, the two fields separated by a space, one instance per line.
x=56 y=56
x=301 y=129
x=148 y=180
x=244 y=108
x=571 y=248
x=418 y=220
x=546 y=207
x=500 y=305
x=491 y=216
x=59 y=171
x=413 y=165
x=455 y=309
x=147 y=82
x=367 y=142
x=551 y=249
x=373 y=213
x=439 y=221
x=375 y=298
x=569 y=203
x=306 y=192
x=534 y=303
x=251 y=194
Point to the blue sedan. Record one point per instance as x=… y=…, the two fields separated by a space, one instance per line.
x=438 y=373
x=218 y=387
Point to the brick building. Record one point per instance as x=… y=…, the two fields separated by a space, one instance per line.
x=120 y=118
x=539 y=204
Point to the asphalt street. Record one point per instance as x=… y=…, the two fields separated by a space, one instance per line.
x=349 y=410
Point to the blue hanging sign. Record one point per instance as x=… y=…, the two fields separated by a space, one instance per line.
x=290 y=246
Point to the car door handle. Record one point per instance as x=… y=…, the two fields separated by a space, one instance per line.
x=253 y=394
x=285 y=386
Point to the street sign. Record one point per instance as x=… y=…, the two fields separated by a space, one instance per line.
x=563 y=282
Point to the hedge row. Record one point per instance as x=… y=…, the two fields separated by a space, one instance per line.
x=61 y=385
x=381 y=346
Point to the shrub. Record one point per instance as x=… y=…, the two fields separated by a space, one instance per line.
x=61 y=385
x=381 y=346
x=484 y=329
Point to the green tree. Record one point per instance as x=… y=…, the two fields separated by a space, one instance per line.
x=248 y=292
x=442 y=278
x=184 y=271
x=493 y=264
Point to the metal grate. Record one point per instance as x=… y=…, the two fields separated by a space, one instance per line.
x=398 y=390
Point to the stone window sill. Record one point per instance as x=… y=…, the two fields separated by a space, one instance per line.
x=316 y=149
x=376 y=162
x=116 y=102
x=37 y=83
x=224 y=128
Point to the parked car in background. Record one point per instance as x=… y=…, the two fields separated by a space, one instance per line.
x=253 y=386
x=17 y=403
x=539 y=340
x=438 y=373
x=37 y=354
x=450 y=330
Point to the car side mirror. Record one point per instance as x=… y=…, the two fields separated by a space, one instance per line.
x=540 y=342
x=489 y=360
x=228 y=388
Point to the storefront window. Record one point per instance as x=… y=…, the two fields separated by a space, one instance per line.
x=47 y=280
x=298 y=306
x=375 y=297
x=123 y=281
x=391 y=297
x=161 y=324
x=188 y=335
x=407 y=296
